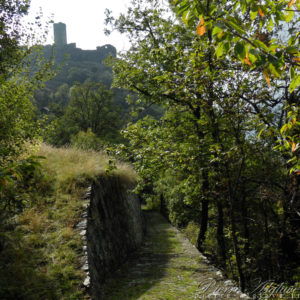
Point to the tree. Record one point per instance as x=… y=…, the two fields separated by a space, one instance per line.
x=91 y=107
x=248 y=31
x=263 y=36
x=21 y=72
x=11 y=35
x=201 y=149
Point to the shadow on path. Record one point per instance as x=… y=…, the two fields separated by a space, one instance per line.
x=146 y=266
x=167 y=267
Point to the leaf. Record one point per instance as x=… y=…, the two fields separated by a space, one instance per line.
x=240 y=50
x=293 y=147
x=289 y=16
x=219 y=49
x=201 y=27
x=273 y=70
x=270 y=24
x=185 y=16
x=246 y=59
x=267 y=77
x=291 y=3
x=292 y=159
x=292 y=73
x=261 y=13
x=292 y=50
x=252 y=57
x=253 y=12
x=3 y=181
x=236 y=27
x=294 y=83
x=260 y=44
x=297 y=59
x=284 y=128
x=261 y=131
x=274 y=47
x=216 y=30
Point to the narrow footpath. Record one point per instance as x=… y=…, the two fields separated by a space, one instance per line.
x=168 y=267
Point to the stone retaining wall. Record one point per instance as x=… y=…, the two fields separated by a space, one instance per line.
x=113 y=229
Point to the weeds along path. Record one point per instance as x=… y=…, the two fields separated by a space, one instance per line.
x=167 y=266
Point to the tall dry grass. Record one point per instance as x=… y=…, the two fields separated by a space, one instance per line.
x=72 y=164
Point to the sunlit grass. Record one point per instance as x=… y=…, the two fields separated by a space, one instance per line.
x=71 y=164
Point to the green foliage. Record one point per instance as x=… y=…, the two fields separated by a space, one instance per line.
x=91 y=108
x=263 y=36
x=203 y=153
x=22 y=70
x=250 y=28
x=16 y=120
x=290 y=141
x=71 y=69
x=191 y=231
x=15 y=179
x=11 y=35
x=86 y=140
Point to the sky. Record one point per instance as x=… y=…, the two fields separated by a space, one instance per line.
x=84 y=20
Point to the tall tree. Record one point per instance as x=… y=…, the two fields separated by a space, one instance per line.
x=215 y=108
x=91 y=107
x=21 y=72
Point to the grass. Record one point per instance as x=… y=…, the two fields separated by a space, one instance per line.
x=72 y=164
x=40 y=247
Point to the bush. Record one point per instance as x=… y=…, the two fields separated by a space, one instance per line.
x=86 y=140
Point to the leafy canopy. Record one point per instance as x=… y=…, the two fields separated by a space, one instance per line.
x=263 y=35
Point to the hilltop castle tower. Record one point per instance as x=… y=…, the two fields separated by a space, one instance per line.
x=60 y=34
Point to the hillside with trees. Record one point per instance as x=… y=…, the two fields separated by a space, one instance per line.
x=83 y=70
x=78 y=73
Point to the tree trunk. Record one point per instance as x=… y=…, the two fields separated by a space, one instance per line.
x=236 y=247
x=245 y=223
x=267 y=253
x=220 y=234
x=204 y=213
x=163 y=207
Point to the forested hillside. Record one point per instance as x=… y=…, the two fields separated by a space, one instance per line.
x=78 y=101
x=76 y=72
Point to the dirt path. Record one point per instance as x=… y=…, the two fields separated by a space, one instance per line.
x=169 y=267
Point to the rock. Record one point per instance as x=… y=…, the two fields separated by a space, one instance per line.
x=87 y=281
x=82 y=225
x=218 y=273
x=228 y=283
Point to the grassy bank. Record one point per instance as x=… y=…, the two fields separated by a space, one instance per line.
x=40 y=247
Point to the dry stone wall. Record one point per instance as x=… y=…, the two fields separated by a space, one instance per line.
x=113 y=230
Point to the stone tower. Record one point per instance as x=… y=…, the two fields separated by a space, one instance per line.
x=60 y=34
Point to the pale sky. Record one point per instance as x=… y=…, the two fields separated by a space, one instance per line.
x=84 y=20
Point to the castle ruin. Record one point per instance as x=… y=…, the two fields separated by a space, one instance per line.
x=60 y=34
x=74 y=53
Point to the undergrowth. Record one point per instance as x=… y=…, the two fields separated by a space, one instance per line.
x=40 y=247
